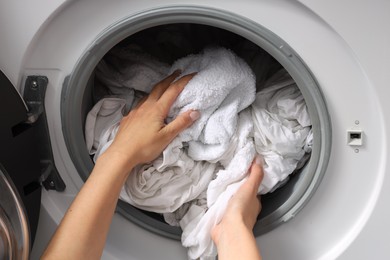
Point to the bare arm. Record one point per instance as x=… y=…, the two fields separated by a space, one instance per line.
x=141 y=138
x=233 y=236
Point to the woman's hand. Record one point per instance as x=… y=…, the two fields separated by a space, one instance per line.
x=143 y=134
x=233 y=235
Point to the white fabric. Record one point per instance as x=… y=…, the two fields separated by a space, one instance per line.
x=102 y=124
x=194 y=178
x=282 y=126
x=196 y=232
x=224 y=85
x=168 y=182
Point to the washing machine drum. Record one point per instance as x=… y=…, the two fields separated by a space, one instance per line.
x=171 y=40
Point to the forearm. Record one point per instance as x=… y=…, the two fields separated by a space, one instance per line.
x=90 y=215
x=141 y=137
x=237 y=242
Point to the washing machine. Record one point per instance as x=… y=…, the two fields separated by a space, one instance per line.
x=337 y=52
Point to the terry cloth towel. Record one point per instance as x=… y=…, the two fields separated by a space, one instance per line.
x=192 y=181
x=224 y=85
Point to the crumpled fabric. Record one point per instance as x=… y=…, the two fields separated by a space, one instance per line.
x=192 y=181
x=102 y=124
x=196 y=229
x=282 y=128
x=168 y=182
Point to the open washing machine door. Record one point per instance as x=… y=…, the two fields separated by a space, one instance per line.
x=25 y=165
x=14 y=229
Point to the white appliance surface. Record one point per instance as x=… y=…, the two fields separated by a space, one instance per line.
x=345 y=45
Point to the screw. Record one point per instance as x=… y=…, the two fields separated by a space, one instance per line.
x=51 y=183
x=34 y=85
x=357 y=122
x=356 y=150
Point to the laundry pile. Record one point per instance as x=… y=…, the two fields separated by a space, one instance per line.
x=191 y=182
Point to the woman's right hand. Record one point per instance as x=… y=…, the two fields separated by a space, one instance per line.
x=233 y=236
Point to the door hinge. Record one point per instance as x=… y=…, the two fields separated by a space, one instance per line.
x=34 y=97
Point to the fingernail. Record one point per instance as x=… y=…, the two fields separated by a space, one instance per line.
x=259 y=160
x=194 y=115
x=178 y=71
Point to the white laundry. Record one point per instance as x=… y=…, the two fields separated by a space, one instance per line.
x=168 y=182
x=196 y=229
x=282 y=131
x=162 y=186
x=224 y=85
x=192 y=181
x=177 y=216
x=282 y=135
x=102 y=124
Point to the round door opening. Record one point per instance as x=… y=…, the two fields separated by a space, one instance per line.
x=169 y=34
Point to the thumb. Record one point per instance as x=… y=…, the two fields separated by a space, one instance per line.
x=256 y=172
x=181 y=122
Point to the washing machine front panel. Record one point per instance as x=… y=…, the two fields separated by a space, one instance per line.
x=20 y=23
x=365 y=33
x=332 y=219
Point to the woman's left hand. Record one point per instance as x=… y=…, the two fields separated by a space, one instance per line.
x=143 y=134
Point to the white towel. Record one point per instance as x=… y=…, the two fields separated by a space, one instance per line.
x=224 y=85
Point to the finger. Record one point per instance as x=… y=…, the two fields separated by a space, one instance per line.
x=160 y=87
x=141 y=101
x=256 y=173
x=180 y=123
x=173 y=91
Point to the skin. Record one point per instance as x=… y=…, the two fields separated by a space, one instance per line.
x=233 y=236
x=142 y=136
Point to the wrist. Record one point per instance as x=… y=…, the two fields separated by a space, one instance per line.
x=229 y=232
x=236 y=241
x=117 y=160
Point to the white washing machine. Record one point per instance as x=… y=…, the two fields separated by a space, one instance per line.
x=336 y=51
